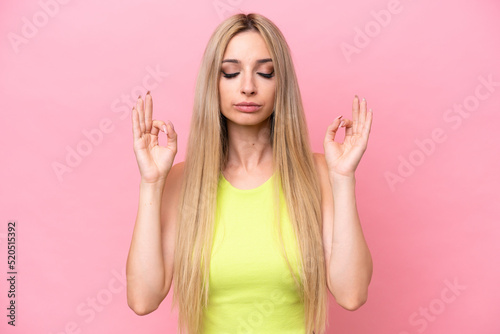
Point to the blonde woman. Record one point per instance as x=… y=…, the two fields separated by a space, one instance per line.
x=253 y=228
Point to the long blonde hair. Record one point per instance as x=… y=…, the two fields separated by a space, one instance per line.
x=206 y=158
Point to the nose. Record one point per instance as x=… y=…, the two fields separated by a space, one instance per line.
x=248 y=86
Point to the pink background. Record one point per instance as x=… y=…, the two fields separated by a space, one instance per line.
x=435 y=225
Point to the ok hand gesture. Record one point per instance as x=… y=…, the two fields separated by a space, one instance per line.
x=154 y=161
x=343 y=158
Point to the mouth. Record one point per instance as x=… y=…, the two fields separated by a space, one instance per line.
x=248 y=104
x=247 y=107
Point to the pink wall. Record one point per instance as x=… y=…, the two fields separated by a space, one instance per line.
x=425 y=186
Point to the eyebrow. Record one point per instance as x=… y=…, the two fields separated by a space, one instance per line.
x=259 y=61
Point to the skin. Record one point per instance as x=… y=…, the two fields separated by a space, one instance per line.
x=346 y=252
x=250 y=152
x=347 y=255
x=349 y=261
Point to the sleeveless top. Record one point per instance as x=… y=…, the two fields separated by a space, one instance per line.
x=250 y=287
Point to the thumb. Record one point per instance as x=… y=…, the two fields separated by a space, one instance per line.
x=331 y=131
x=168 y=128
x=170 y=131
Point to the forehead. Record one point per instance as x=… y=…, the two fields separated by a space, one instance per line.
x=247 y=47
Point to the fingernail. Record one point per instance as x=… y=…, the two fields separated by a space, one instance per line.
x=139 y=97
x=371 y=110
x=147 y=93
x=164 y=129
x=356 y=97
x=339 y=116
x=364 y=99
x=342 y=123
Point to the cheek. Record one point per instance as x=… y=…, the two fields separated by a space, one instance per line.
x=224 y=94
x=271 y=91
x=271 y=97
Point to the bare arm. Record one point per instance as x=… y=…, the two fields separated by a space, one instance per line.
x=350 y=263
x=348 y=259
x=150 y=257
x=145 y=263
x=350 y=266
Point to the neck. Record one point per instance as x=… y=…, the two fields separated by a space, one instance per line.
x=249 y=147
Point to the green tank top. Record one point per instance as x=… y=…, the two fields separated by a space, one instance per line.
x=251 y=288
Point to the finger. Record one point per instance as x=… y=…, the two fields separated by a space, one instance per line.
x=368 y=124
x=348 y=125
x=355 y=113
x=361 y=116
x=149 y=111
x=140 y=110
x=331 y=131
x=168 y=128
x=172 y=135
x=158 y=126
x=136 y=129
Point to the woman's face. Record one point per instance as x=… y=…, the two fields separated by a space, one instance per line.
x=247 y=76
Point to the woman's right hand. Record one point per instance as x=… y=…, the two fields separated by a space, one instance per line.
x=154 y=161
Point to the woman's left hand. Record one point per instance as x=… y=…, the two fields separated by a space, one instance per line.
x=343 y=158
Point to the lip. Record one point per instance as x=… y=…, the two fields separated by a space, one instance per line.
x=247 y=104
x=248 y=108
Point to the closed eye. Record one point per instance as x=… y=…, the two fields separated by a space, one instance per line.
x=232 y=75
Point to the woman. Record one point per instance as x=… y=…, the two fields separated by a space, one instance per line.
x=207 y=224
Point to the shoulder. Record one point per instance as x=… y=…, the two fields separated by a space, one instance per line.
x=178 y=168
x=171 y=194
x=321 y=166
x=174 y=178
x=324 y=179
x=176 y=171
x=318 y=157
